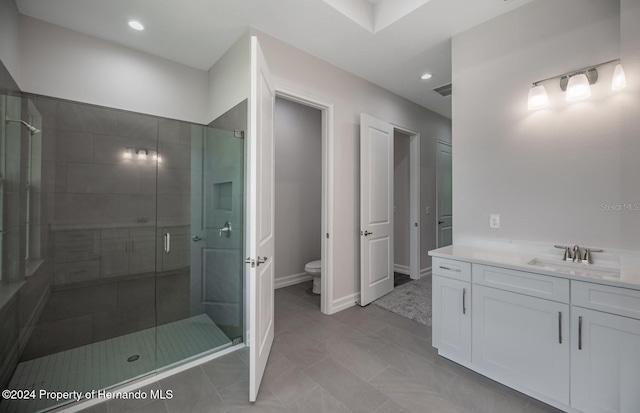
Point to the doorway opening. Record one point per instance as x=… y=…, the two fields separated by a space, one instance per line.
x=382 y=168
x=303 y=181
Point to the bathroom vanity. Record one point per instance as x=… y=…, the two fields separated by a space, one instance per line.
x=565 y=333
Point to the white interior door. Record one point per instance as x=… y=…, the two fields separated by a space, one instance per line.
x=260 y=205
x=445 y=206
x=376 y=209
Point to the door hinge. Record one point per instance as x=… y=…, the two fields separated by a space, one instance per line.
x=416 y=224
x=327 y=235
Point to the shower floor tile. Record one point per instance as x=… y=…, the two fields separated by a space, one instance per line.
x=104 y=364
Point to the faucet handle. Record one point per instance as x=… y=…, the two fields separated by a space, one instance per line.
x=587 y=255
x=567 y=252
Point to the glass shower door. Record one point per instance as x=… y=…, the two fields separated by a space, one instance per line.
x=200 y=228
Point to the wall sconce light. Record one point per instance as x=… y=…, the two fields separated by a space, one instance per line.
x=538 y=97
x=578 y=87
x=576 y=84
x=619 y=81
x=142 y=154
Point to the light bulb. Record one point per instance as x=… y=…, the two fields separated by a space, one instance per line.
x=142 y=154
x=127 y=154
x=619 y=79
x=538 y=98
x=136 y=25
x=578 y=88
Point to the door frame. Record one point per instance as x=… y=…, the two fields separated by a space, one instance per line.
x=438 y=172
x=414 y=199
x=326 y=249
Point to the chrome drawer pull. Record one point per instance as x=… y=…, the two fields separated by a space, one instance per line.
x=580 y=333
x=450 y=269
x=464 y=299
x=560 y=327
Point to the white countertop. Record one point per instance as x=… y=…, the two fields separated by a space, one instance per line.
x=629 y=267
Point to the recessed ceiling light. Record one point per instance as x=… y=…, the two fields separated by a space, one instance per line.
x=136 y=25
x=426 y=76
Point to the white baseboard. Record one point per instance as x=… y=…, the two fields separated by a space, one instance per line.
x=402 y=269
x=425 y=271
x=344 y=303
x=281 y=282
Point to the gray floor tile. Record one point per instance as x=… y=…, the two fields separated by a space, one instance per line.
x=411 y=394
x=236 y=399
x=391 y=407
x=192 y=392
x=286 y=380
x=226 y=370
x=318 y=400
x=474 y=396
x=365 y=365
x=125 y=406
x=349 y=389
x=159 y=406
x=430 y=375
x=409 y=342
x=303 y=357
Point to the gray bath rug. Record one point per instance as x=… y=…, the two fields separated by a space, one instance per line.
x=411 y=300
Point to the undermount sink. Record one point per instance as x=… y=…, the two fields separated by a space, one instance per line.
x=575 y=268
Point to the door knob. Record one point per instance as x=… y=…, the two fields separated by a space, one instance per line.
x=367 y=233
x=196 y=238
x=440 y=222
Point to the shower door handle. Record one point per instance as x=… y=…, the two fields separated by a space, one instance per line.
x=167 y=243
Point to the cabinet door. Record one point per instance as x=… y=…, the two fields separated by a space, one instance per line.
x=605 y=362
x=452 y=318
x=522 y=341
x=143 y=254
x=114 y=259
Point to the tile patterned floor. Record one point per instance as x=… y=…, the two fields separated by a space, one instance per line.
x=360 y=360
x=104 y=364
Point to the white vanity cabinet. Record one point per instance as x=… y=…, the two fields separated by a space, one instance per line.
x=567 y=341
x=522 y=340
x=605 y=354
x=452 y=309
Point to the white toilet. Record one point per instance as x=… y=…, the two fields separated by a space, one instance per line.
x=314 y=269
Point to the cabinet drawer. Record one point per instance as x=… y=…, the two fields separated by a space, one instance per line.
x=458 y=270
x=82 y=271
x=535 y=285
x=614 y=300
x=63 y=237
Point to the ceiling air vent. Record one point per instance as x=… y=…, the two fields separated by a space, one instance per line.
x=443 y=91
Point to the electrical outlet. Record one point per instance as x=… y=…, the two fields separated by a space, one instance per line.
x=428 y=211
x=494 y=221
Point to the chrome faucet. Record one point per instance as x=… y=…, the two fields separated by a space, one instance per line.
x=576 y=254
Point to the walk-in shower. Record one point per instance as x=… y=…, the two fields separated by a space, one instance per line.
x=116 y=263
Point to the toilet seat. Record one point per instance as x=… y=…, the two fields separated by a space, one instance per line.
x=313 y=267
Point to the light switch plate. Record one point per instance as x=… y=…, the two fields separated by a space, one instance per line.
x=494 y=221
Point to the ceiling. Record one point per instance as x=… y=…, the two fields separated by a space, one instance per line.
x=198 y=32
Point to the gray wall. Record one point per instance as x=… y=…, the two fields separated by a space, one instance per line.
x=351 y=96
x=547 y=172
x=401 y=223
x=298 y=186
x=10 y=38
